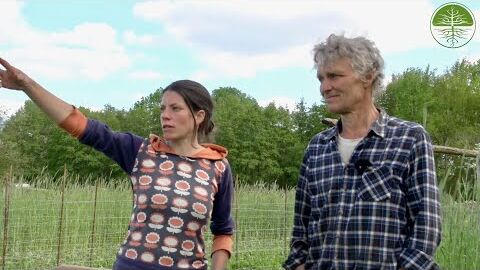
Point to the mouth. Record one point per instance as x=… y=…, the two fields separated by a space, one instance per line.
x=167 y=127
x=330 y=98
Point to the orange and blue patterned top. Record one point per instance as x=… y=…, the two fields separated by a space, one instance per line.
x=175 y=197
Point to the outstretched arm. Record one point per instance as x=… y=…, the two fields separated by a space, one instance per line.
x=15 y=79
x=121 y=147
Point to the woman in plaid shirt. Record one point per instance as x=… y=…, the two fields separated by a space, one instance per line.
x=367 y=195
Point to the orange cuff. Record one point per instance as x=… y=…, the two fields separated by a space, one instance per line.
x=224 y=242
x=75 y=123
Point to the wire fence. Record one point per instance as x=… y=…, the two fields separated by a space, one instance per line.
x=52 y=223
x=46 y=224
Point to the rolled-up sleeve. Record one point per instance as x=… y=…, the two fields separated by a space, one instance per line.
x=423 y=205
x=299 y=244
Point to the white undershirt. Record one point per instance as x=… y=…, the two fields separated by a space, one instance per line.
x=346 y=147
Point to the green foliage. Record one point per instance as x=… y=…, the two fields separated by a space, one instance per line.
x=144 y=117
x=243 y=129
x=448 y=106
x=265 y=144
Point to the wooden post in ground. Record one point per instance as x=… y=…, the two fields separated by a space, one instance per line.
x=6 y=213
x=235 y=197
x=92 y=235
x=285 y=225
x=478 y=169
x=60 y=222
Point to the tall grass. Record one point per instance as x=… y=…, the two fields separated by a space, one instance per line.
x=263 y=217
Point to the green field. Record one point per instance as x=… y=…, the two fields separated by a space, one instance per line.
x=38 y=239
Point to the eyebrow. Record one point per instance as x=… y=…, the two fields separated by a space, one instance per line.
x=173 y=104
x=334 y=72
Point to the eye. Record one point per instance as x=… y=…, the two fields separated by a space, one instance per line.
x=162 y=108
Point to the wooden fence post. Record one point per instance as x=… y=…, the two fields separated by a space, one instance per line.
x=92 y=236
x=60 y=222
x=285 y=225
x=236 y=193
x=6 y=212
x=478 y=169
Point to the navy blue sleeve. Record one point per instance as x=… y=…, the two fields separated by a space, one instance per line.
x=119 y=146
x=222 y=221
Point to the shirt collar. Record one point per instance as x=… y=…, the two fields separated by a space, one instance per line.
x=378 y=127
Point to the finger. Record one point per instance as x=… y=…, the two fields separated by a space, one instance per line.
x=5 y=64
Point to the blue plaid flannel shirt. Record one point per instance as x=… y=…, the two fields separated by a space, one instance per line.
x=386 y=217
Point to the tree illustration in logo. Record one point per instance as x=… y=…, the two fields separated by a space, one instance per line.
x=452 y=25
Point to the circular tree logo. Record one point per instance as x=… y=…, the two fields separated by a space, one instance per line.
x=452 y=25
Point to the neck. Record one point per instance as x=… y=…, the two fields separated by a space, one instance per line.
x=185 y=147
x=356 y=124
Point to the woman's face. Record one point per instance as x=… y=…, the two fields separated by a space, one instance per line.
x=176 y=118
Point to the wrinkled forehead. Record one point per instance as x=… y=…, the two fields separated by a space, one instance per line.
x=335 y=65
x=326 y=61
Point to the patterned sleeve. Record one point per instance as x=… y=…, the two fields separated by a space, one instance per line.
x=222 y=221
x=299 y=244
x=423 y=207
x=120 y=147
x=222 y=224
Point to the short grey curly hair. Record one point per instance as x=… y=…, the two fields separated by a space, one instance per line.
x=363 y=54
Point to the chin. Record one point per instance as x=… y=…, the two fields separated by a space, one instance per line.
x=168 y=137
x=334 y=109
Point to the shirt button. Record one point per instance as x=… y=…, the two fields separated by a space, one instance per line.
x=340 y=212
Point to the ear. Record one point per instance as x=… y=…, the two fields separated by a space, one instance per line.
x=368 y=80
x=199 y=116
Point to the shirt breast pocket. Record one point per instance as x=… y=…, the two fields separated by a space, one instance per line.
x=375 y=184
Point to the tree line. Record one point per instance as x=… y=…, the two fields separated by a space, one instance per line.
x=266 y=144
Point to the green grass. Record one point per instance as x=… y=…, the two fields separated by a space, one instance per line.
x=263 y=217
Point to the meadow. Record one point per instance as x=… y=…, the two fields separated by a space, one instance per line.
x=52 y=223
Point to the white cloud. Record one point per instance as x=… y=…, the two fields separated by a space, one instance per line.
x=89 y=50
x=133 y=39
x=242 y=38
x=201 y=75
x=145 y=75
x=279 y=101
x=476 y=36
x=231 y=64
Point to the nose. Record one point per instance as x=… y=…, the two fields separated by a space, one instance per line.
x=164 y=114
x=325 y=86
